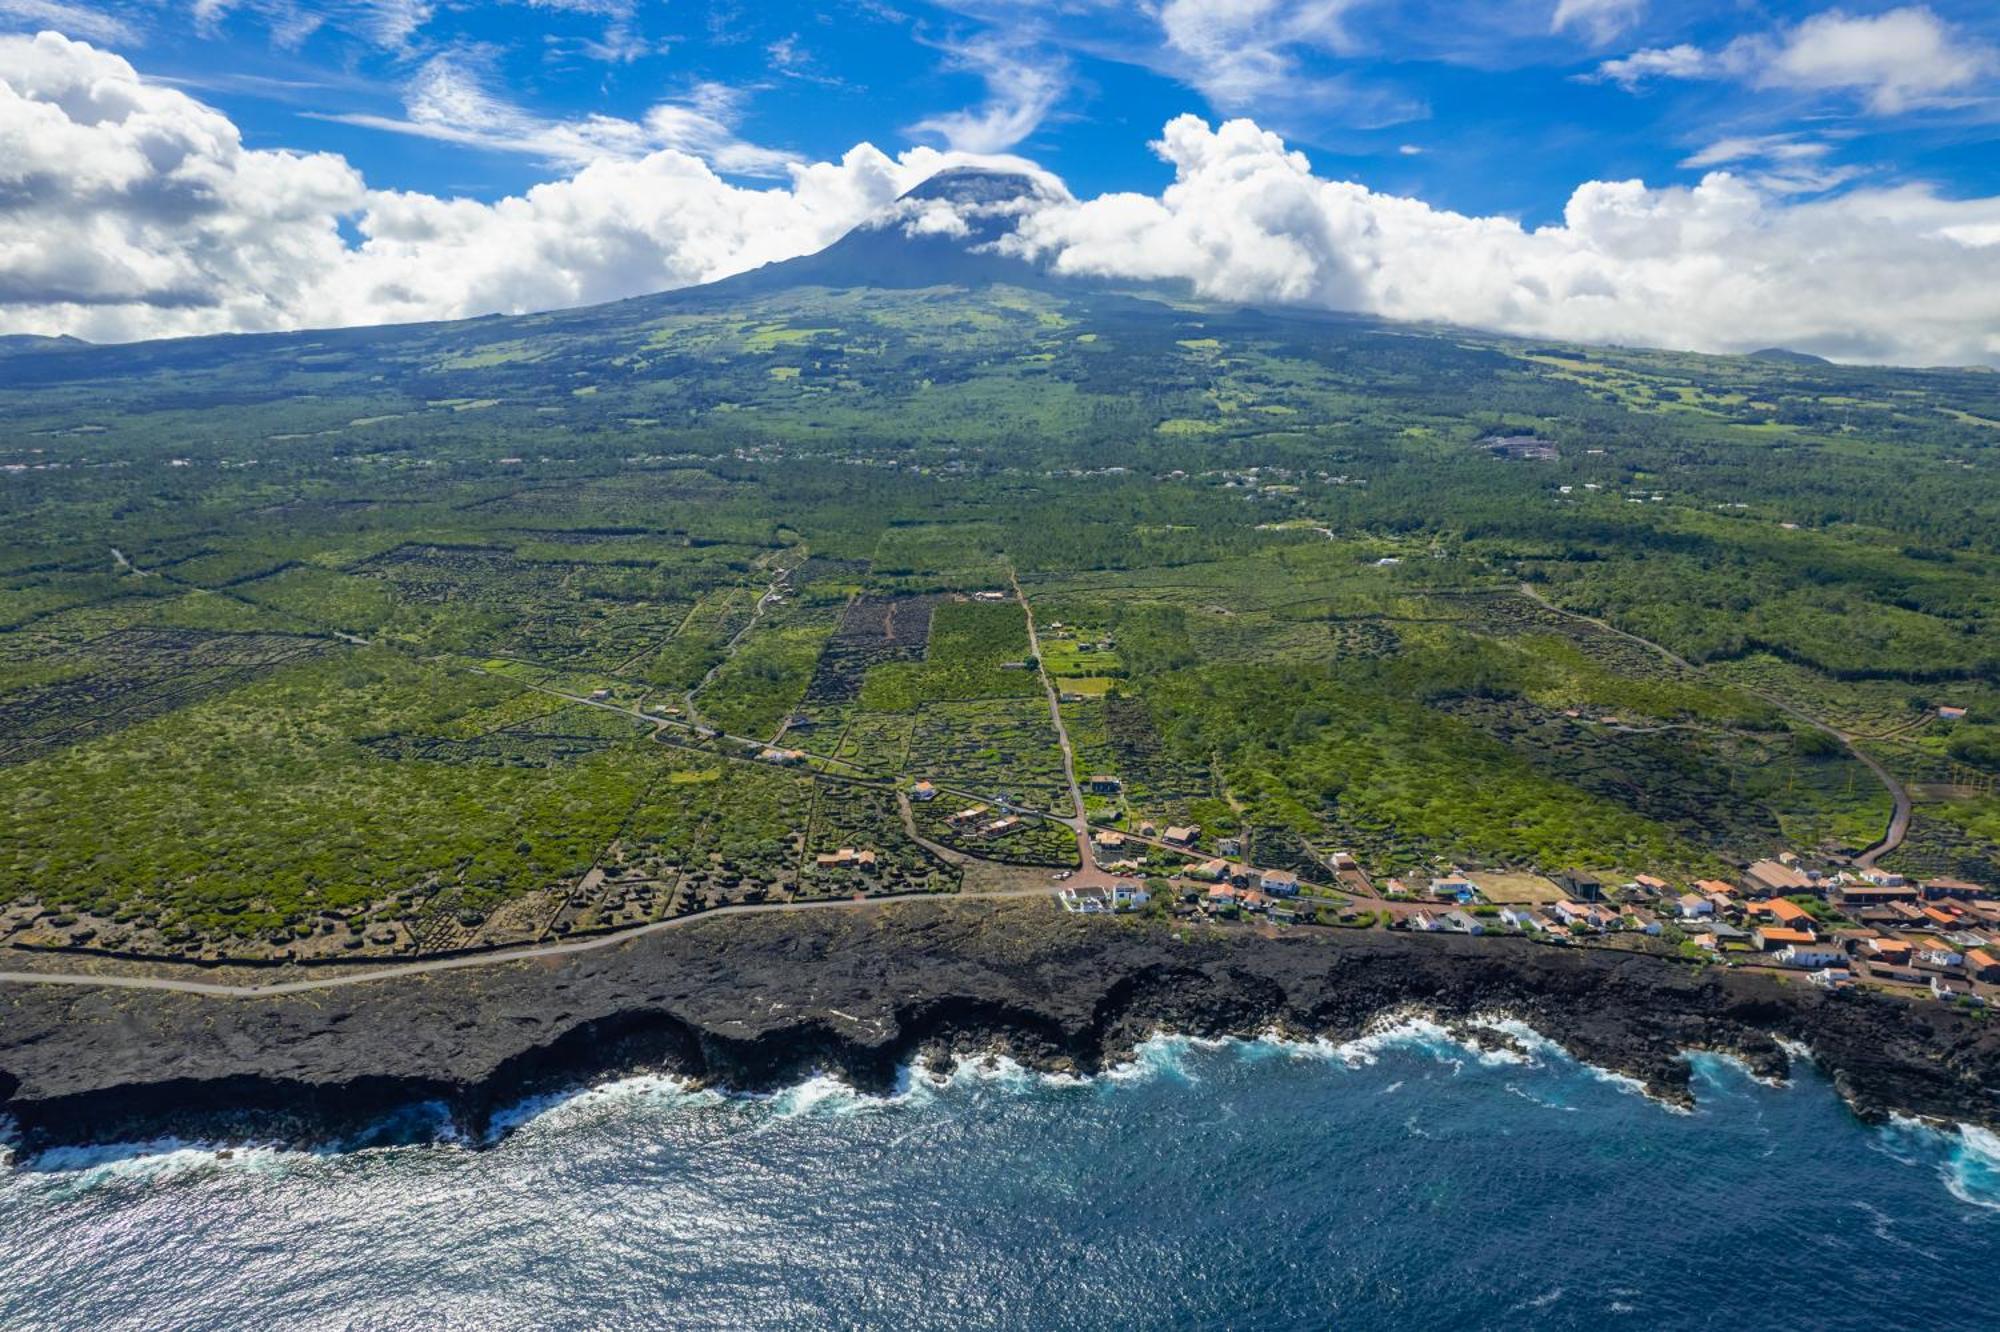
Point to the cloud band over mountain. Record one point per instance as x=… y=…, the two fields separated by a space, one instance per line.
x=129 y=209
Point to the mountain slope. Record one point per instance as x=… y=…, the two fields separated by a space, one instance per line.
x=941 y=233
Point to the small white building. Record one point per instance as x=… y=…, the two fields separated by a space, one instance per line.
x=1129 y=896
x=1279 y=883
x=1819 y=953
x=1457 y=922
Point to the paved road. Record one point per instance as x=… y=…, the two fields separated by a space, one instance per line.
x=1899 y=796
x=400 y=970
x=1090 y=876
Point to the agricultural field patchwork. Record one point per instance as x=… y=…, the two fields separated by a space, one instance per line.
x=452 y=636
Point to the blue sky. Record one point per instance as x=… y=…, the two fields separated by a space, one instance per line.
x=1486 y=108
x=1710 y=174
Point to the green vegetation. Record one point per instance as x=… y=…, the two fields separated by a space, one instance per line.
x=335 y=689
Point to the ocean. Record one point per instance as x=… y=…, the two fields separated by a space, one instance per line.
x=1399 y=1181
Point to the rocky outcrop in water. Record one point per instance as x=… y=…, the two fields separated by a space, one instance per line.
x=760 y=1001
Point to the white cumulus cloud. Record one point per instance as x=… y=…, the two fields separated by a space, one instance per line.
x=1896 y=275
x=129 y=209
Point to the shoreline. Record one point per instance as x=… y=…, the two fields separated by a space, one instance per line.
x=425 y=1125
x=755 y=1005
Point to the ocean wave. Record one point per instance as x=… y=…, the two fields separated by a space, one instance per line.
x=1966 y=1157
x=1161 y=1056
x=169 y=1157
x=1711 y=1062
x=559 y=1108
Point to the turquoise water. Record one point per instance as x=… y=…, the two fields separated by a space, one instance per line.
x=1400 y=1181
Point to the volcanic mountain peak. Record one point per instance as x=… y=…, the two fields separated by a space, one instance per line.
x=941 y=232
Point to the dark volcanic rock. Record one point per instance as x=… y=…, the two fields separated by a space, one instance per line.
x=759 y=1001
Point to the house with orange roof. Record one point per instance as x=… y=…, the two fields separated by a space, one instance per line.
x=1982 y=966
x=1788 y=914
x=1770 y=938
x=1895 y=952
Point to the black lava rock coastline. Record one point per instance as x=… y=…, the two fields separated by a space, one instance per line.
x=757 y=1002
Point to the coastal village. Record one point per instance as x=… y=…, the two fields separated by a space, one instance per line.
x=1836 y=926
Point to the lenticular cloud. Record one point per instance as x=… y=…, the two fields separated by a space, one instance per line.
x=132 y=210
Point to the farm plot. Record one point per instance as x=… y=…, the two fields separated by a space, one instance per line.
x=712 y=833
x=1362 y=639
x=765 y=677
x=1512 y=616
x=701 y=641
x=1275 y=846
x=1115 y=735
x=561 y=736
x=872 y=630
x=876 y=741
x=1003 y=747
x=1956 y=839
x=124 y=677
x=977 y=650
x=1027 y=841
x=856 y=843
x=564 y=614
x=1865 y=707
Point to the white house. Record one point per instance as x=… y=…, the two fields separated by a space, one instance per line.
x=1279 y=883
x=1129 y=896
x=1694 y=905
x=1455 y=885
x=1459 y=923
x=1816 y=954
x=1574 y=913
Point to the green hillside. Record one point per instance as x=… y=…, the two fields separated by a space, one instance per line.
x=291 y=626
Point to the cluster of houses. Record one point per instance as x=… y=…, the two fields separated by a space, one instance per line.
x=1241 y=888
x=1941 y=934
x=1840 y=927
x=1585 y=908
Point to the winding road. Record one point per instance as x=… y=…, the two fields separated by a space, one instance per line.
x=1899 y=795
